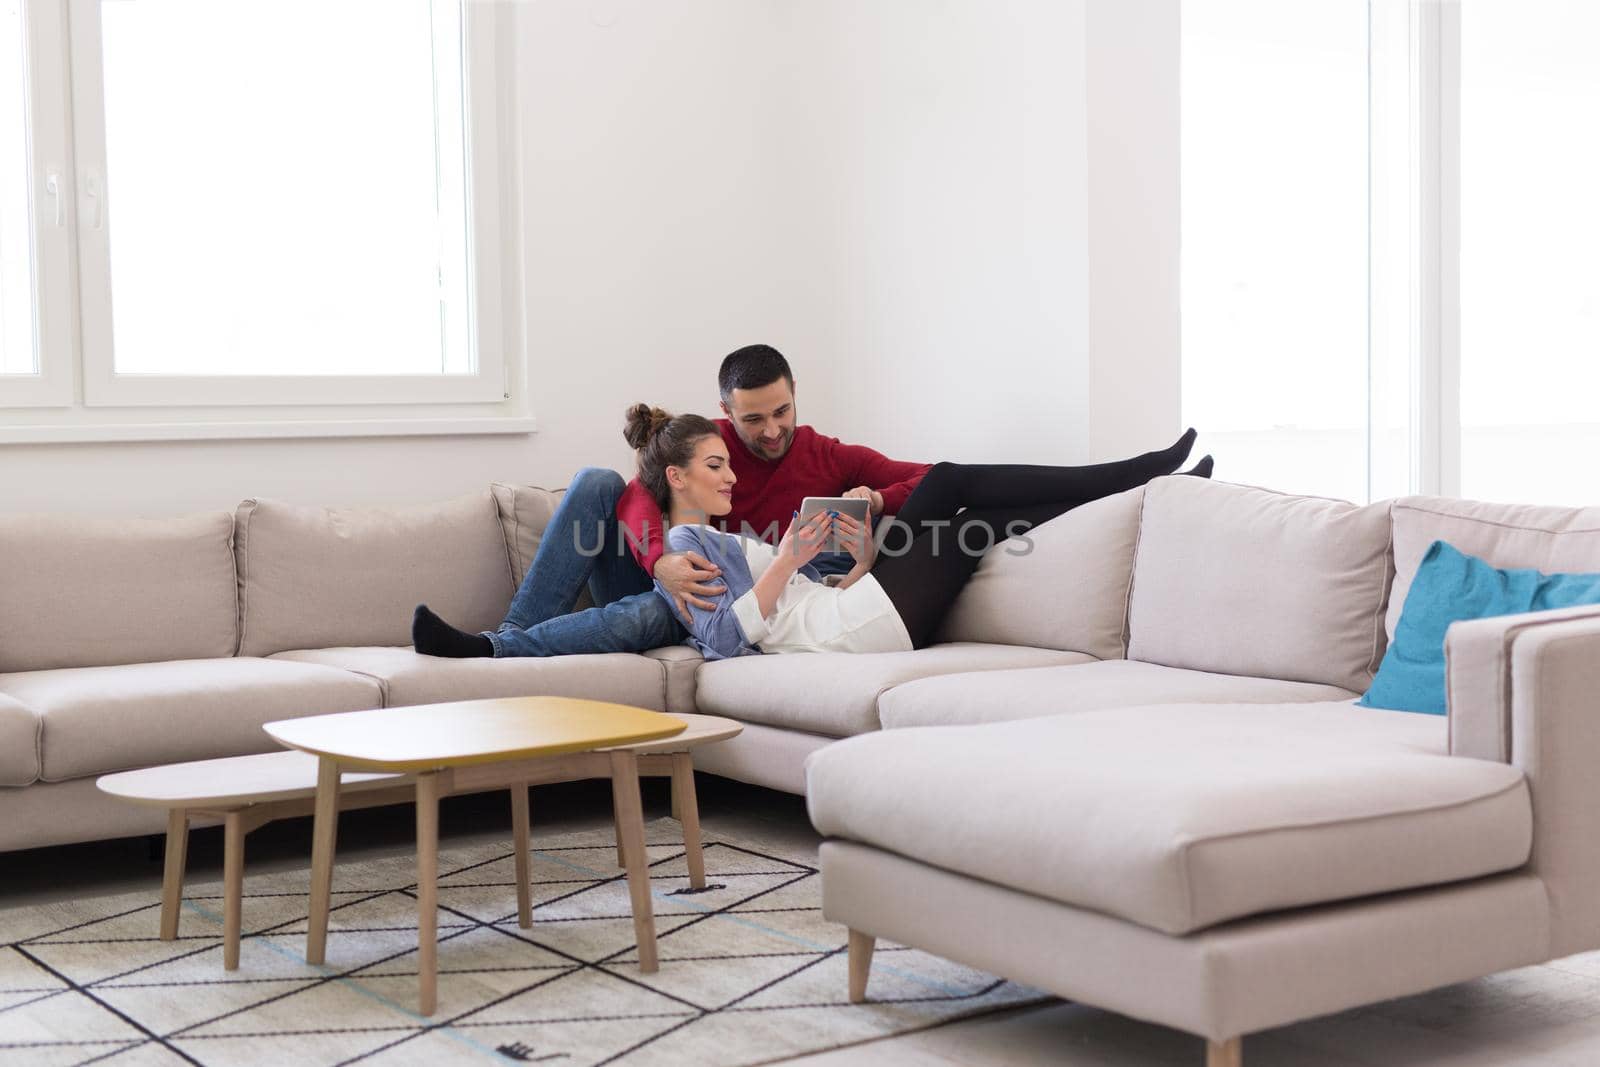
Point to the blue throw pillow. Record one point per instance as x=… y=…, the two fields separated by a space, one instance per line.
x=1451 y=586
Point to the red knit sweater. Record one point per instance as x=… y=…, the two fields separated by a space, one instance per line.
x=768 y=492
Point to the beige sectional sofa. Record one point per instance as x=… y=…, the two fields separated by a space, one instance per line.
x=1131 y=773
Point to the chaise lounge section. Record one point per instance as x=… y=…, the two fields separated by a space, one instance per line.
x=1226 y=867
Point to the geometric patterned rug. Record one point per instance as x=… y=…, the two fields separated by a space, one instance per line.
x=750 y=971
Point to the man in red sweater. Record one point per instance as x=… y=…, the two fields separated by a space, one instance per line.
x=778 y=464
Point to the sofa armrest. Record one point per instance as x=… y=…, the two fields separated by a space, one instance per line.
x=1478 y=678
x=1534 y=692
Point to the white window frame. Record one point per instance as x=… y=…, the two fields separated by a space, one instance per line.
x=1414 y=242
x=104 y=387
x=1436 y=97
x=50 y=188
x=1414 y=247
x=67 y=140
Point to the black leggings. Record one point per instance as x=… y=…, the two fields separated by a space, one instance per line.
x=932 y=546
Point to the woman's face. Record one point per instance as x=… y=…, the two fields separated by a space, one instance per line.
x=705 y=485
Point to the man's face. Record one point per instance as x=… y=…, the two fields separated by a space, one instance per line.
x=764 y=418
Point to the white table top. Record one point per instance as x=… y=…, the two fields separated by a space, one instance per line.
x=466 y=733
x=269 y=776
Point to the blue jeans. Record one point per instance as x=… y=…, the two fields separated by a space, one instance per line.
x=584 y=545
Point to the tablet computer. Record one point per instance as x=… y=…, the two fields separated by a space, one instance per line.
x=855 y=507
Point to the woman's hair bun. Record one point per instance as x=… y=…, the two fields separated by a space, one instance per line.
x=642 y=422
x=661 y=440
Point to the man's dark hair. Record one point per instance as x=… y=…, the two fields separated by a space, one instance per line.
x=752 y=367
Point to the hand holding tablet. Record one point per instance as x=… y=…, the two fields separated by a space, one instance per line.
x=855 y=507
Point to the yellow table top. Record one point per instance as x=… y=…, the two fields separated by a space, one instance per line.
x=467 y=732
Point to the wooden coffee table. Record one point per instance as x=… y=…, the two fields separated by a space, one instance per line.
x=471 y=746
x=245 y=793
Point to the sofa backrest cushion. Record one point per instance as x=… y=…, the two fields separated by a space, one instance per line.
x=313 y=577
x=1239 y=580
x=92 y=592
x=1064 y=587
x=1502 y=535
x=525 y=511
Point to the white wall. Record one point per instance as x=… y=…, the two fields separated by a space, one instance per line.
x=987 y=196
x=1132 y=153
x=655 y=197
x=903 y=195
x=938 y=164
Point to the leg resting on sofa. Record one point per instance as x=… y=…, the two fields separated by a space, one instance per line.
x=1229 y=1053
x=860 y=963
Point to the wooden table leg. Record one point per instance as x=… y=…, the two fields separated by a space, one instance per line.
x=688 y=812
x=616 y=824
x=324 y=832
x=519 y=837
x=172 y=874
x=232 y=888
x=428 y=892
x=630 y=821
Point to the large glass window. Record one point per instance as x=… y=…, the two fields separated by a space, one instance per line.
x=1274 y=240
x=1530 y=227
x=1389 y=221
x=285 y=183
x=286 y=206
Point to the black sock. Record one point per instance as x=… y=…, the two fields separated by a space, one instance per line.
x=432 y=636
x=1201 y=469
x=1169 y=459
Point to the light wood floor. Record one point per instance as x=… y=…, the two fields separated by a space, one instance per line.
x=1547 y=1016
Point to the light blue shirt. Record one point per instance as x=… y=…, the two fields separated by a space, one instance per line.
x=717 y=633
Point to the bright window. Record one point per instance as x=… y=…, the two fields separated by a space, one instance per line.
x=1530 y=225
x=282 y=213
x=1274 y=240
x=275 y=198
x=1389 y=224
x=304 y=212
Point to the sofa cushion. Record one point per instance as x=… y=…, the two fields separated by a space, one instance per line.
x=1065 y=585
x=1502 y=535
x=836 y=693
x=19 y=742
x=525 y=511
x=681 y=665
x=997 y=696
x=1244 y=581
x=318 y=578
x=1182 y=816
x=409 y=678
x=86 y=592
x=94 y=720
